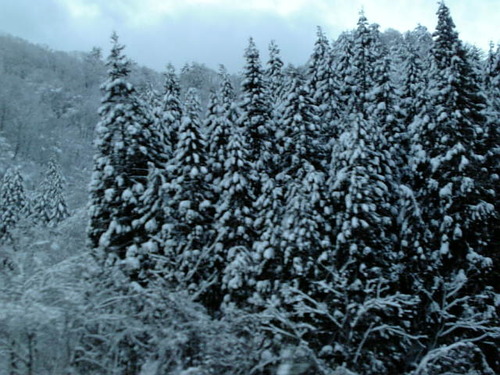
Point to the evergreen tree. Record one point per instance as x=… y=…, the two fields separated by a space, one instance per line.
x=324 y=86
x=171 y=107
x=360 y=75
x=154 y=103
x=447 y=144
x=256 y=116
x=152 y=215
x=126 y=142
x=413 y=84
x=343 y=51
x=365 y=263
x=491 y=136
x=267 y=248
x=385 y=110
x=234 y=222
x=227 y=95
x=290 y=202
x=305 y=229
x=221 y=118
x=229 y=109
x=492 y=69
x=13 y=201
x=188 y=232
x=490 y=144
x=454 y=193
x=318 y=62
x=49 y=205
x=218 y=129
x=54 y=194
x=38 y=210
x=274 y=74
x=299 y=125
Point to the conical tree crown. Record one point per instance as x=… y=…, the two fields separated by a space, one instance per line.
x=13 y=201
x=126 y=143
x=256 y=108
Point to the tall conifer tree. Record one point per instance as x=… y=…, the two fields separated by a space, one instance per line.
x=455 y=198
x=188 y=231
x=126 y=143
x=256 y=115
x=13 y=201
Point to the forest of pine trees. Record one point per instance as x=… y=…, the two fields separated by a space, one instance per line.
x=335 y=218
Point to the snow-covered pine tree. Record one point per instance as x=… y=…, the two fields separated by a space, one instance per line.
x=455 y=196
x=188 y=232
x=446 y=144
x=342 y=50
x=364 y=263
x=256 y=115
x=218 y=130
x=153 y=100
x=274 y=74
x=317 y=65
x=221 y=118
x=13 y=201
x=234 y=221
x=300 y=128
x=413 y=83
x=126 y=142
x=323 y=86
x=492 y=69
x=48 y=203
x=267 y=248
x=229 y=109
x=38 y=212
x=171 y=106
x=304 y=226
x=298 y=142
x=491 y=135
x=57 y=209
x=356 y=73
x=226 y=90
x=413 y=100
x=384 y=109
x=360 y=74
x=305 y=231
x=421 y=42
x=363 y=266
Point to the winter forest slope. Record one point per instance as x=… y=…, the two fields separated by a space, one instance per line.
x=335 y=218
x=49 y=102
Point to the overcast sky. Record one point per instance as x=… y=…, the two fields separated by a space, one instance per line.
x=156 y=32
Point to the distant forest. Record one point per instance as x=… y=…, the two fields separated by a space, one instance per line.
x=335 y=218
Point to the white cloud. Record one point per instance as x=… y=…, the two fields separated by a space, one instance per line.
x=81 y=8
x=216 y=31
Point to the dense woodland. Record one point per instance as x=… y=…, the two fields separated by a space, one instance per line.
x=339 y=217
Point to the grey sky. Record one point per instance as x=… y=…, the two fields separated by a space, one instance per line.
x=216 y=31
